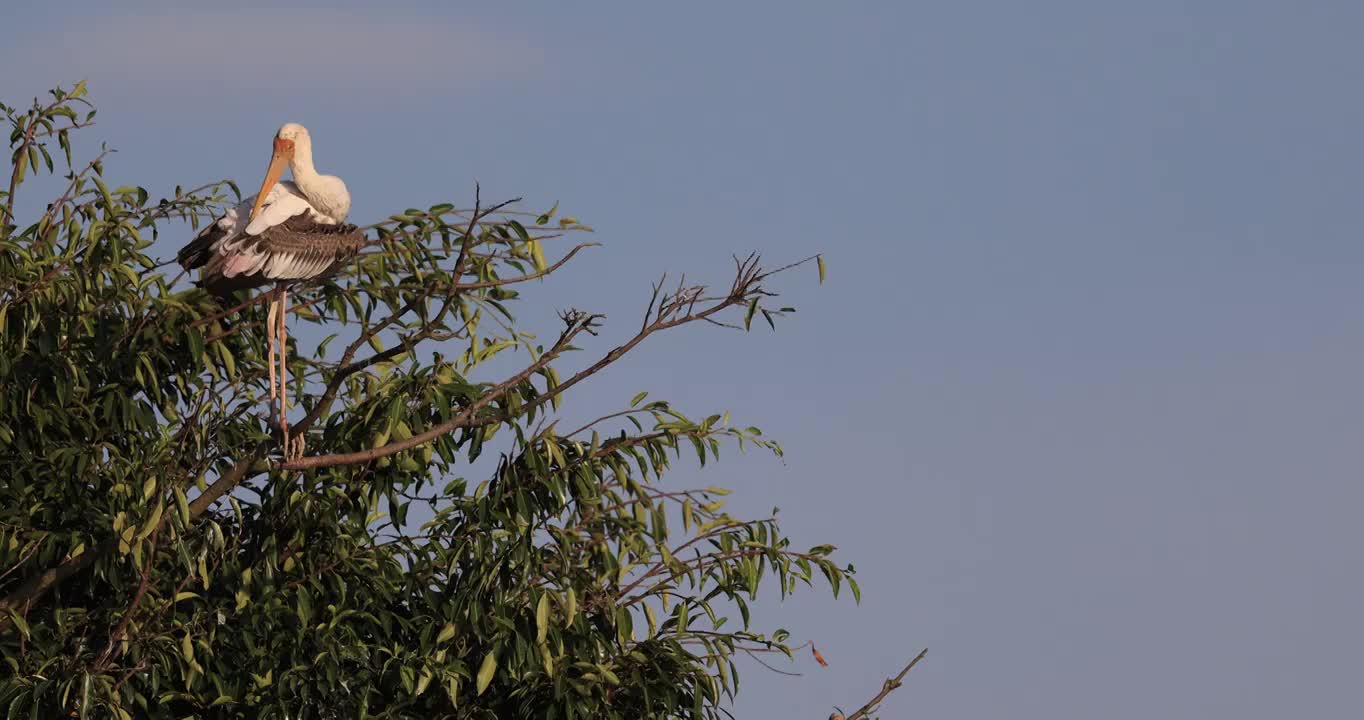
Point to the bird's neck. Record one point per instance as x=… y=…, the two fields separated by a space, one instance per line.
x=313 y=185
x=301 y=165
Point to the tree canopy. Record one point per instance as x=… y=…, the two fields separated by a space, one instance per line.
x=449 y=546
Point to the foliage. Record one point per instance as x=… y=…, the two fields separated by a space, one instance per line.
x=158 y=557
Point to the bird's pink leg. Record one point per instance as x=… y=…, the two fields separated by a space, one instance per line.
x=270 y=325
x=283 y=335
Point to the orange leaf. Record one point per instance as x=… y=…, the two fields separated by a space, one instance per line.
x=819 y=658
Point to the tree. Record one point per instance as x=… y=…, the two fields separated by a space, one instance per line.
x=445 y=549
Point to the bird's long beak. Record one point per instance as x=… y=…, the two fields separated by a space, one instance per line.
x=284 y=152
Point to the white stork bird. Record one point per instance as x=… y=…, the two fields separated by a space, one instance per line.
x=286 y=232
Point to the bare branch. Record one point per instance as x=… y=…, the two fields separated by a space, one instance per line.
x=668 y=315
x=103 y=662
x=577 y=324
x=889 y=686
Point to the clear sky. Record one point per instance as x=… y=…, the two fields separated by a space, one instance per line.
x=1081 y=397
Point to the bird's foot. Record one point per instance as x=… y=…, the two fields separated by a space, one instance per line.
x=293 y=448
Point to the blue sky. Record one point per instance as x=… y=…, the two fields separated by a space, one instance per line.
x=1081 y=395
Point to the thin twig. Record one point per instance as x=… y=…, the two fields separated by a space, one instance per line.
x=36 y=547
x=103 y=662
x=890 y=685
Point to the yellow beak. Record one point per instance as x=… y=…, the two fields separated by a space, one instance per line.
x=284 y=152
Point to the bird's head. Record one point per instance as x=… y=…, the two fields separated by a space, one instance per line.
x=286 y=140
x=292 y=132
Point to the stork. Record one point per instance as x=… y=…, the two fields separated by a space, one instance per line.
x=286 y=232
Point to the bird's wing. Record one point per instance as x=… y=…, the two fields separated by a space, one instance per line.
x=208 y=243
x=287 y=240
x=282 y=203
x=303 y=248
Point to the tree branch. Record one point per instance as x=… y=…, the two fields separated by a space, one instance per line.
x=890 y=685
x=578 y=323
x=103 y=662
x=667 y=315
x=346 y=364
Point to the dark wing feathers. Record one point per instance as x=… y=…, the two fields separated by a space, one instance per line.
x=302 y=248
x=196 y=253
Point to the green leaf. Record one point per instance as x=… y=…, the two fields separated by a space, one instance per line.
x=152 y=521
x=537 y=255
x=547 y=658
x=229 y=362
x=182 y=505
x=20 y=622
x=263 y=681
x=486 y=671
x=547 y=215
x=304 y=607
x=819 y=262
x=423 y=681
x=85 y=694
x=542 y=618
